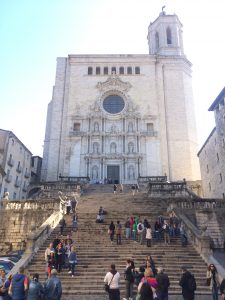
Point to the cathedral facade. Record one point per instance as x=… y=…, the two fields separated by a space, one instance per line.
x=118 y=117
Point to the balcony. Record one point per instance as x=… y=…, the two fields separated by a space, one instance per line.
x=149 y=133
x=11 y=162
x=19 y=169
x=17 y=183
x=8 y=178
x=27 y=174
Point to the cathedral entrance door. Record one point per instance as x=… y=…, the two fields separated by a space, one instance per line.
x=113 y=174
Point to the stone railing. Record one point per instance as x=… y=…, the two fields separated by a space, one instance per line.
x=35 y=240
x=146 y=179
x=32 y=204
x=198 y=238
x=197 y=203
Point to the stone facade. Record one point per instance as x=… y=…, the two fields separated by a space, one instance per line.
x=117 y=117
x=212 y=154
x=15 y=160
x=36 y=162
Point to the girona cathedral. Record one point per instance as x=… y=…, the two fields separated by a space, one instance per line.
x=119 y=117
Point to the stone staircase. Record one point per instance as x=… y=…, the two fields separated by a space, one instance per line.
x=96 y=253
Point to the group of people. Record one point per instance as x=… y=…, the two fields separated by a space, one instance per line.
x=20 y=287
x=151 y=283
x=101 y=215
x=61 y=253
x=119 y=187
x=141 y=231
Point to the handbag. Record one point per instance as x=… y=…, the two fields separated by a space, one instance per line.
x=107 y=286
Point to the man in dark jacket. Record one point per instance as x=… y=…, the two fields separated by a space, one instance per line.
x=53 y=288
x=19 y=285
x=163 y=284
x=188 y=284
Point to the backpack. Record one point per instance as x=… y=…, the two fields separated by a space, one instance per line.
x=140 y=226
x=191 y=284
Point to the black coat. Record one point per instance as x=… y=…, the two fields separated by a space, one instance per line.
x=186 y=292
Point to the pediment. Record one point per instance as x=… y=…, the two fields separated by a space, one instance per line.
x=114 y=82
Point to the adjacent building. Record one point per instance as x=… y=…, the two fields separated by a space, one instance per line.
x=118 y=117
x=212 y=154
x=15 y=166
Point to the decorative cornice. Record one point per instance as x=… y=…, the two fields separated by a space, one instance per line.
x=113 y=83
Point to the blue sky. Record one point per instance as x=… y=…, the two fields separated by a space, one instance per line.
x=34 y=33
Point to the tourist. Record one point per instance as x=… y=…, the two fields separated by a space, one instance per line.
x=157 y=230
x=222 y=288
x=3 y=289
x=133 y=188
x=36 y=290
x=112 y=279
x=166 y=232
x=148 y=278
x=59 y=257
x=62 y=225
x=75 y=222
x=19 y=285
x=111 y=231
x=183 y=236
x=139 y=275
x=114 y=188
x=188 y=284
x=118 y=233
x=127 y=228
x=68 y=206
x=149 y=236
x=72 y=261
x=121 y=188
x=134 y=231
x=213 y=280
x=53 y=287
x=129 y=276
x=149 y=263
x=48 y=252
x=140 y=232
x=73 y=205
x=51 y=263
x=163 y=284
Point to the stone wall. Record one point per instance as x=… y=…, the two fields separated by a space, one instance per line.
x=19 y=218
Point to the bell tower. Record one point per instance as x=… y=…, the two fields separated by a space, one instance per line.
x=165 y=35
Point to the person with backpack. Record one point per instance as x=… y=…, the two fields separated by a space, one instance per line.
x=36 y=290
x=19 y=285
x=163 y=284
x=129 y=279
x=188 y=284
x=140 y=232
x=147 y=287
x=53 y=287
x=112 y=279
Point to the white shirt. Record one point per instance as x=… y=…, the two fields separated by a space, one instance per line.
x=115 y=282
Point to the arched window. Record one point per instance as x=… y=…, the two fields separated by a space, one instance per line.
x=96 y=127
x=131 y=147
x=90 y=71
x=157 y=41
x=137 y=70
x=113 y=147
x=129 y=70
x=121 y=70
x=131 y=173
x=98 y=70
x=130 y=127
x=168 y=36
x=76 y=127
x=95 y=147
x=95 y=172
